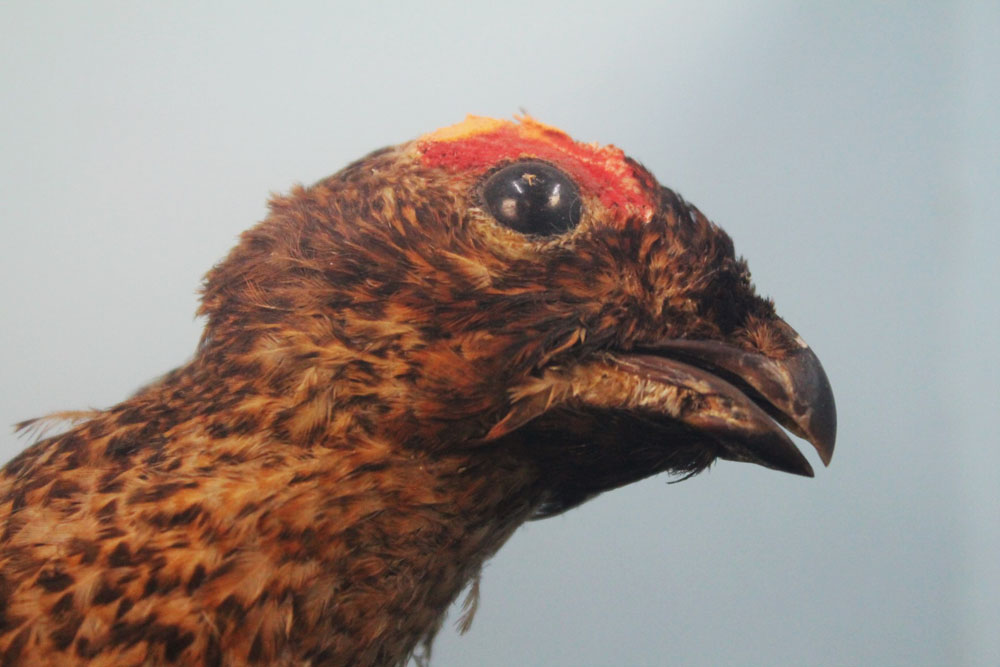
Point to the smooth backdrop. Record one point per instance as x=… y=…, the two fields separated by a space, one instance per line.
x=851 y=150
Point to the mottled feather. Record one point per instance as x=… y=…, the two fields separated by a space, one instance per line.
x=389 y=383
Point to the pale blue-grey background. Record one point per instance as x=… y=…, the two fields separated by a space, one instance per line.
x=851 y=150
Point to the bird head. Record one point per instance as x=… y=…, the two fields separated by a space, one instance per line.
x=498 y=286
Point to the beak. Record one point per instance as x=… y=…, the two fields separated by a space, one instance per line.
x=734 y=397
x=793 y=390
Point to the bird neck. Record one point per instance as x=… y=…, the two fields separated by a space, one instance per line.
x=398 y=535
x=369 y=538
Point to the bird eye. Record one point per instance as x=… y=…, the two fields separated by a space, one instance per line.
x=533 y=197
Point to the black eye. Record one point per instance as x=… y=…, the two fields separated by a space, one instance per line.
x=533 y=198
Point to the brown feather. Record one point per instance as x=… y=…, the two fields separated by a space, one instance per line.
x=390 y=382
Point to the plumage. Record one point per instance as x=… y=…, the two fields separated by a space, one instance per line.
x=400 y=365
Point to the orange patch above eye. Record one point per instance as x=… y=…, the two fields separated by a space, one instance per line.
x=479 y=143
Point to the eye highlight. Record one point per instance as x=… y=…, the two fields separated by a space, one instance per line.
x=533 y=197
